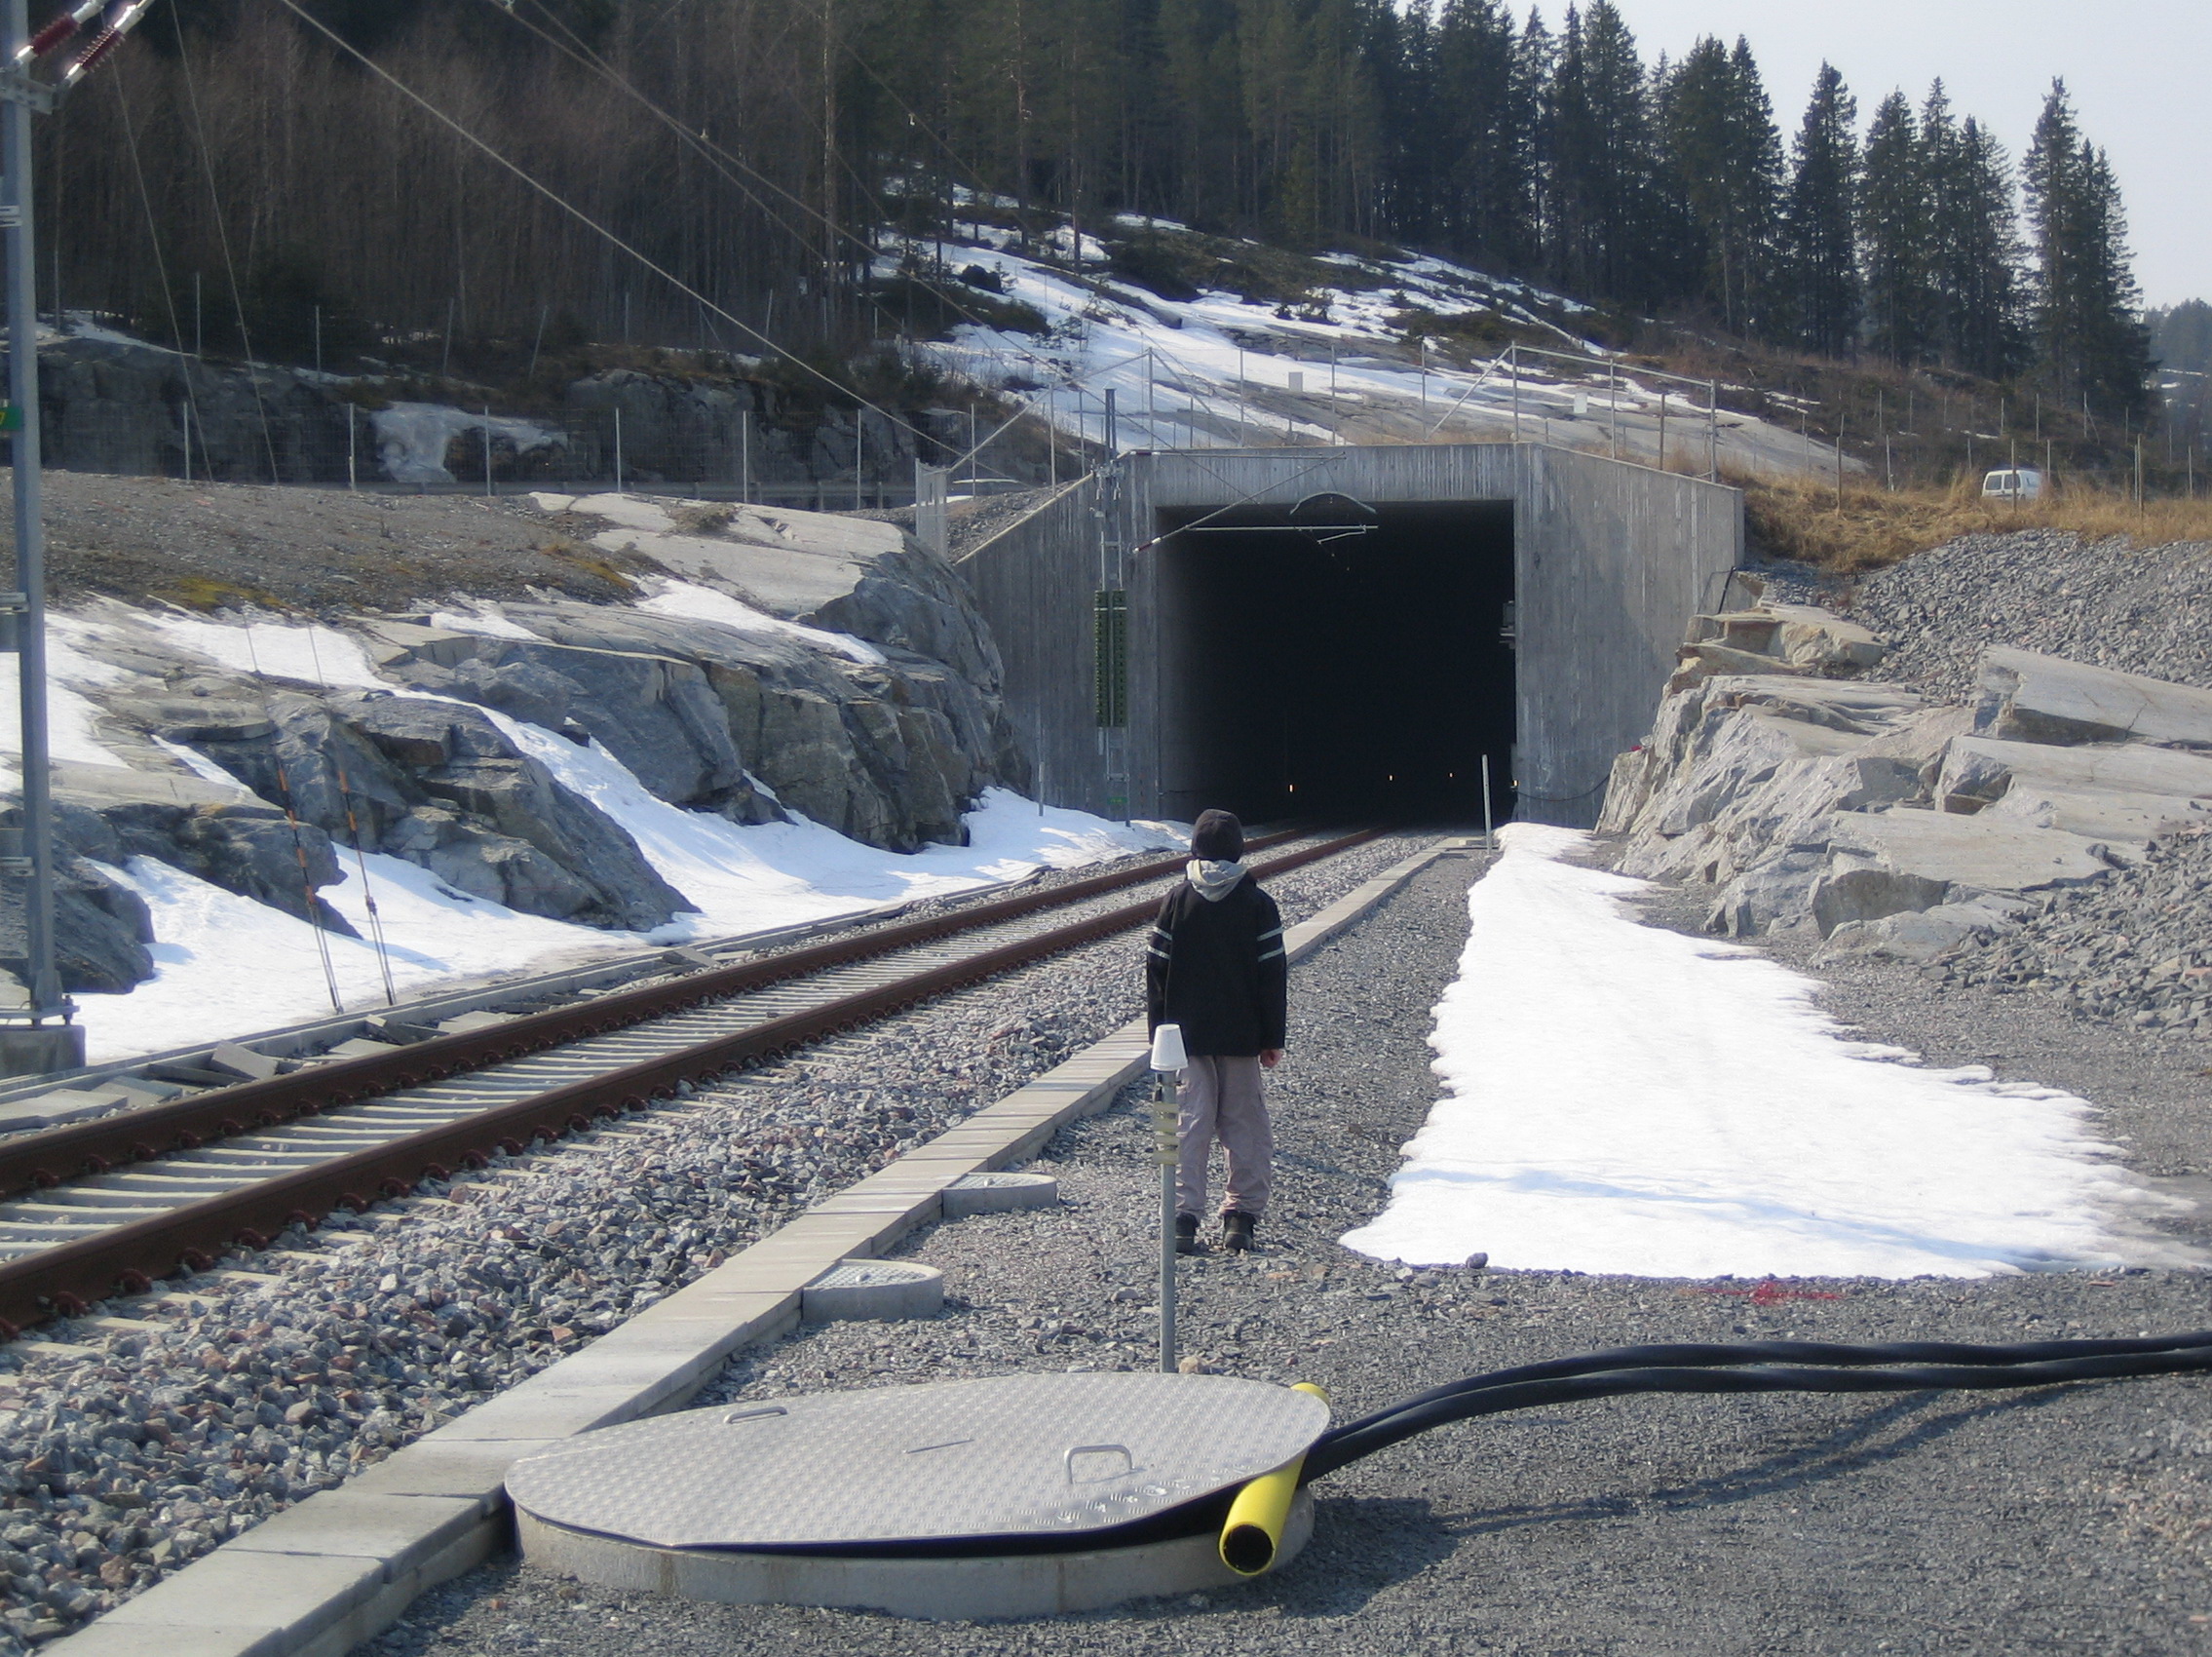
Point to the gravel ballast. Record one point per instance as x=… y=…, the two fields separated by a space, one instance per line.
x=2066 y=1519
x=250 y=1396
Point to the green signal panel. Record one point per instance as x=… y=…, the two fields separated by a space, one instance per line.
x=1110 y=630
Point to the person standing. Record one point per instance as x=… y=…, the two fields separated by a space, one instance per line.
x=1216 y=967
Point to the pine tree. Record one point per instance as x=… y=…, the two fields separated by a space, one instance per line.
x=1895 y=226
x=1480 y=138
x=2090 y=340
x=1726 y=156
x=1604 y=196
x=1819 y=246
x=1977 y=320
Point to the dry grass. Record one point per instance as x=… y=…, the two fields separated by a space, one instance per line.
x=1874 y=528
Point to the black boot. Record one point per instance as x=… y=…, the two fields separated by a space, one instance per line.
x=1236 y=1230
x=1187 y=1235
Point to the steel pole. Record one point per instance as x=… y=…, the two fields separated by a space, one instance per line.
x=44 y=983
x=1168 y=1146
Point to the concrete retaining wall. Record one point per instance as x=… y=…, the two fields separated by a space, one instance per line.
x=1612 y=560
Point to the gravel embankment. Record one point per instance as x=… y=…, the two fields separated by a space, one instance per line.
x=2140 y=610
x=2059 y=1520
x=2133 y=948
x=120 y=1469
x=211 y=545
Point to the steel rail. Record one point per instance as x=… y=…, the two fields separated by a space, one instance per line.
x=66 y=1279
x=53 y=1155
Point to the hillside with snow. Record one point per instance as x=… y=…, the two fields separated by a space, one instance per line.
x=1210 y=343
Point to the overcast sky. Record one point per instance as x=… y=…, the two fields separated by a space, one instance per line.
x=2136 y=69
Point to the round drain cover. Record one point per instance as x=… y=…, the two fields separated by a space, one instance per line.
x=873 y=1290
x=1018 y=1456
x=997 y=1193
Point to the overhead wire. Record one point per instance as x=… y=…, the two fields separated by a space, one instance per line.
x=590 y=223
x=222 y=236
x=729 y=165
x=161 y=263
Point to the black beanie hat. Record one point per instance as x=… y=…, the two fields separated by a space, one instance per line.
x=1217 y=838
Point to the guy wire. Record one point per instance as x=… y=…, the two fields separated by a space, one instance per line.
x=291 y=816
x=352 y=828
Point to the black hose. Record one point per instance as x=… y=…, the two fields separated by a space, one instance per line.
x=1819 y=1367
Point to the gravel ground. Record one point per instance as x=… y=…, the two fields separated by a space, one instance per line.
x=2058 y=1520
x=2107 y=603
x=2134 y=948
x=248 y=1398
x=210 y=544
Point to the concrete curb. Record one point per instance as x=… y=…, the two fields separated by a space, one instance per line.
x=343 y=1566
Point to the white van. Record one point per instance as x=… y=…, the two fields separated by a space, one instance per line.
x=2022 y=483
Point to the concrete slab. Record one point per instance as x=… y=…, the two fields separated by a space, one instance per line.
x=108 y=1639
x=532 y=1412
x=402 y=1532
x=296 y=1597
x=474 y=1471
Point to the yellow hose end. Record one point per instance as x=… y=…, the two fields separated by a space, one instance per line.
x=1256 y=1517
x=1253 y=1531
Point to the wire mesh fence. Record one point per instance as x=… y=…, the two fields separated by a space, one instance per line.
x=429 y=449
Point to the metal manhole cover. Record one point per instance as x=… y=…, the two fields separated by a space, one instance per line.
x=871 y=1274
x=1012 y=1456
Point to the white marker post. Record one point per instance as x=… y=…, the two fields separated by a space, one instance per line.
x=1167 y=1065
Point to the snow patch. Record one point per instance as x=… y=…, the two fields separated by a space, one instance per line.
x=695 y=602
x=413 y=439
x=1623 y=1098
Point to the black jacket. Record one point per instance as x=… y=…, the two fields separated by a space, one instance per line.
x=1217 y=969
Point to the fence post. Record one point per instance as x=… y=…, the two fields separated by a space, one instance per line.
x=353 y=450
x=488 y=452
x=930 y=528
x=1713 y=430
x=618 y=423
x=744 y=452
x=187 y=411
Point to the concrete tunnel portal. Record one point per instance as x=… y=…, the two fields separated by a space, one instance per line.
x=1338 y=660
x=1320 y=633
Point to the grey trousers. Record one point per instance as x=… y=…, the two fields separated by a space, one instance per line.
x=1221 y=1099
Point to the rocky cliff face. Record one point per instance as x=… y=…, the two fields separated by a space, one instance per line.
x=1888 y=821
x=115 y=404
x=811 y=688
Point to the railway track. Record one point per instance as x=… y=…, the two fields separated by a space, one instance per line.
x=108 y=1207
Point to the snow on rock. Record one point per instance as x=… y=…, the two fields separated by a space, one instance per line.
x=487 y=839
x=705 y=603
x=226 y=964
x=1626 y=1098
x=413 y=439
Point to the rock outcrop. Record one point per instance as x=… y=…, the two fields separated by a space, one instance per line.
x=1884 y=822
x=116 y=405
x=789 y=664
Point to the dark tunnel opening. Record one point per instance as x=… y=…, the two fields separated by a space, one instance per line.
x=1339 y=661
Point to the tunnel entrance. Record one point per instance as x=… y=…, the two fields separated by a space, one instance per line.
x=1337 y=660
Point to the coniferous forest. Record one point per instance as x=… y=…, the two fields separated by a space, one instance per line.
x=240 y=169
